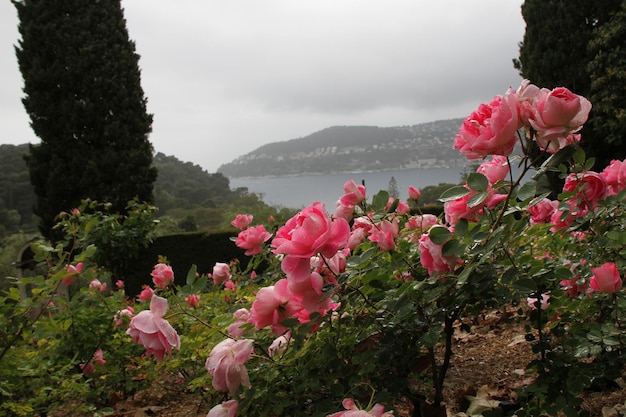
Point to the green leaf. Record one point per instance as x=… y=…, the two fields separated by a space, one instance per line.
x=477 y=182
x=191 y=274
x=450 y=248
x=380 y=199
x=477 y=199
x=439 y=234
x=460 y=228
x=454 y=193
x=527 y=191
x=525 y=285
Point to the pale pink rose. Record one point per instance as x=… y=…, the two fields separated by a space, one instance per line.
x=421 y=222
x=403 y=208
x=192 y=299
x=241 y=317
x=545 y=301
x=495 y=170
x=352 y=410
x=614 y=176
x=589 y=187
x=242 y=221
x=542 y=211
x=606 y=278
x=252 y=239
x=226 y=363
x=357 y=236
x=343 y=211
x=123 y=316
x=154 y=332
x=385 y=234
x=146 y=294
x=225 y=409
x=279 y=345
x=162 y=275
x=557 y=113
x=526 y=94
x=221 y=273
x=414 y=193
x=431 y=256
x=95 y=283
x=72 y=272
x=272 y=305
x=308 y=233
x=75 y=212
x=490 y=130
x=353 y=194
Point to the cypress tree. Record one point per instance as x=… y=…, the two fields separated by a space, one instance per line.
x=83 y=94
x=560 y=49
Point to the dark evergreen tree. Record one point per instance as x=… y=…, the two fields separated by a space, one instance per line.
x=557 y=50
x=84 y=98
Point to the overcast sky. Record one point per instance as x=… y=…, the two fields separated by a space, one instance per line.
x=223 y=77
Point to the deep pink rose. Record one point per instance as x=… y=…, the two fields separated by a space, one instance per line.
x=154 y=332
x=308 y=233
x=490 y=130
x=614 y=176
x=252 y=239
x=542 y=211
x=606 y=278
x=495 y=170
x=589 y=187
x=162 y=275
x=192 y=299
x=72 y=272
x=242 y=221
x=557 y=113
x=431 y=256
x=353 y=194
x=146 y=294
x=225 y=409
x=272 y=305
x=226 y=363
x=414 y=193
x=221 y=273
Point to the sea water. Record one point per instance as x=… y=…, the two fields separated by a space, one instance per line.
x=301 y=191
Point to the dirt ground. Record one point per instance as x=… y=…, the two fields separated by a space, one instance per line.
x=488 y=363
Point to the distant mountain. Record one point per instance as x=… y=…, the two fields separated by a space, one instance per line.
x=353 y=149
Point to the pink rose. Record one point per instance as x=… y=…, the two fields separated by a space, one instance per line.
x=87 y=368
x=403 y=208
x=343 y=211
x=154 y=332
x=384 y=234
x=614 y=177
x=589 y=187
x=98 y=356
x=557 y=113
x=357 y=236
x=542 y=211
x=162 y=275
x=225 y=409
x=71 y=273
x=95 y=284
x=458 y=209
x=308 y=233
x=252 y=239
x=119 y=284
x=421 y=222
x=560 y=219
x=272 y=305
x=226 y=363
x=279 y=345
x=533 y=301
x=495 y=170
x=490 y=130
x=352 y=410
x=146 y=294
x=242 y=221
x=431 y=256
x=221 y=273
x=123 y=315
x=192 y=299
x=241 y=317
x=606 y=278
x=414 y=193
x=353 y=194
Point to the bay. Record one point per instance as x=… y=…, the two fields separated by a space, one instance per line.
x=301 y=191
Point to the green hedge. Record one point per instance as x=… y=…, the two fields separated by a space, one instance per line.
x=182 y=251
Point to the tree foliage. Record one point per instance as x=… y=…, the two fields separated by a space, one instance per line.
x=85 y=102
x=576 y=44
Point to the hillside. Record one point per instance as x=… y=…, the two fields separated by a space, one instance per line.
x=353 y=149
